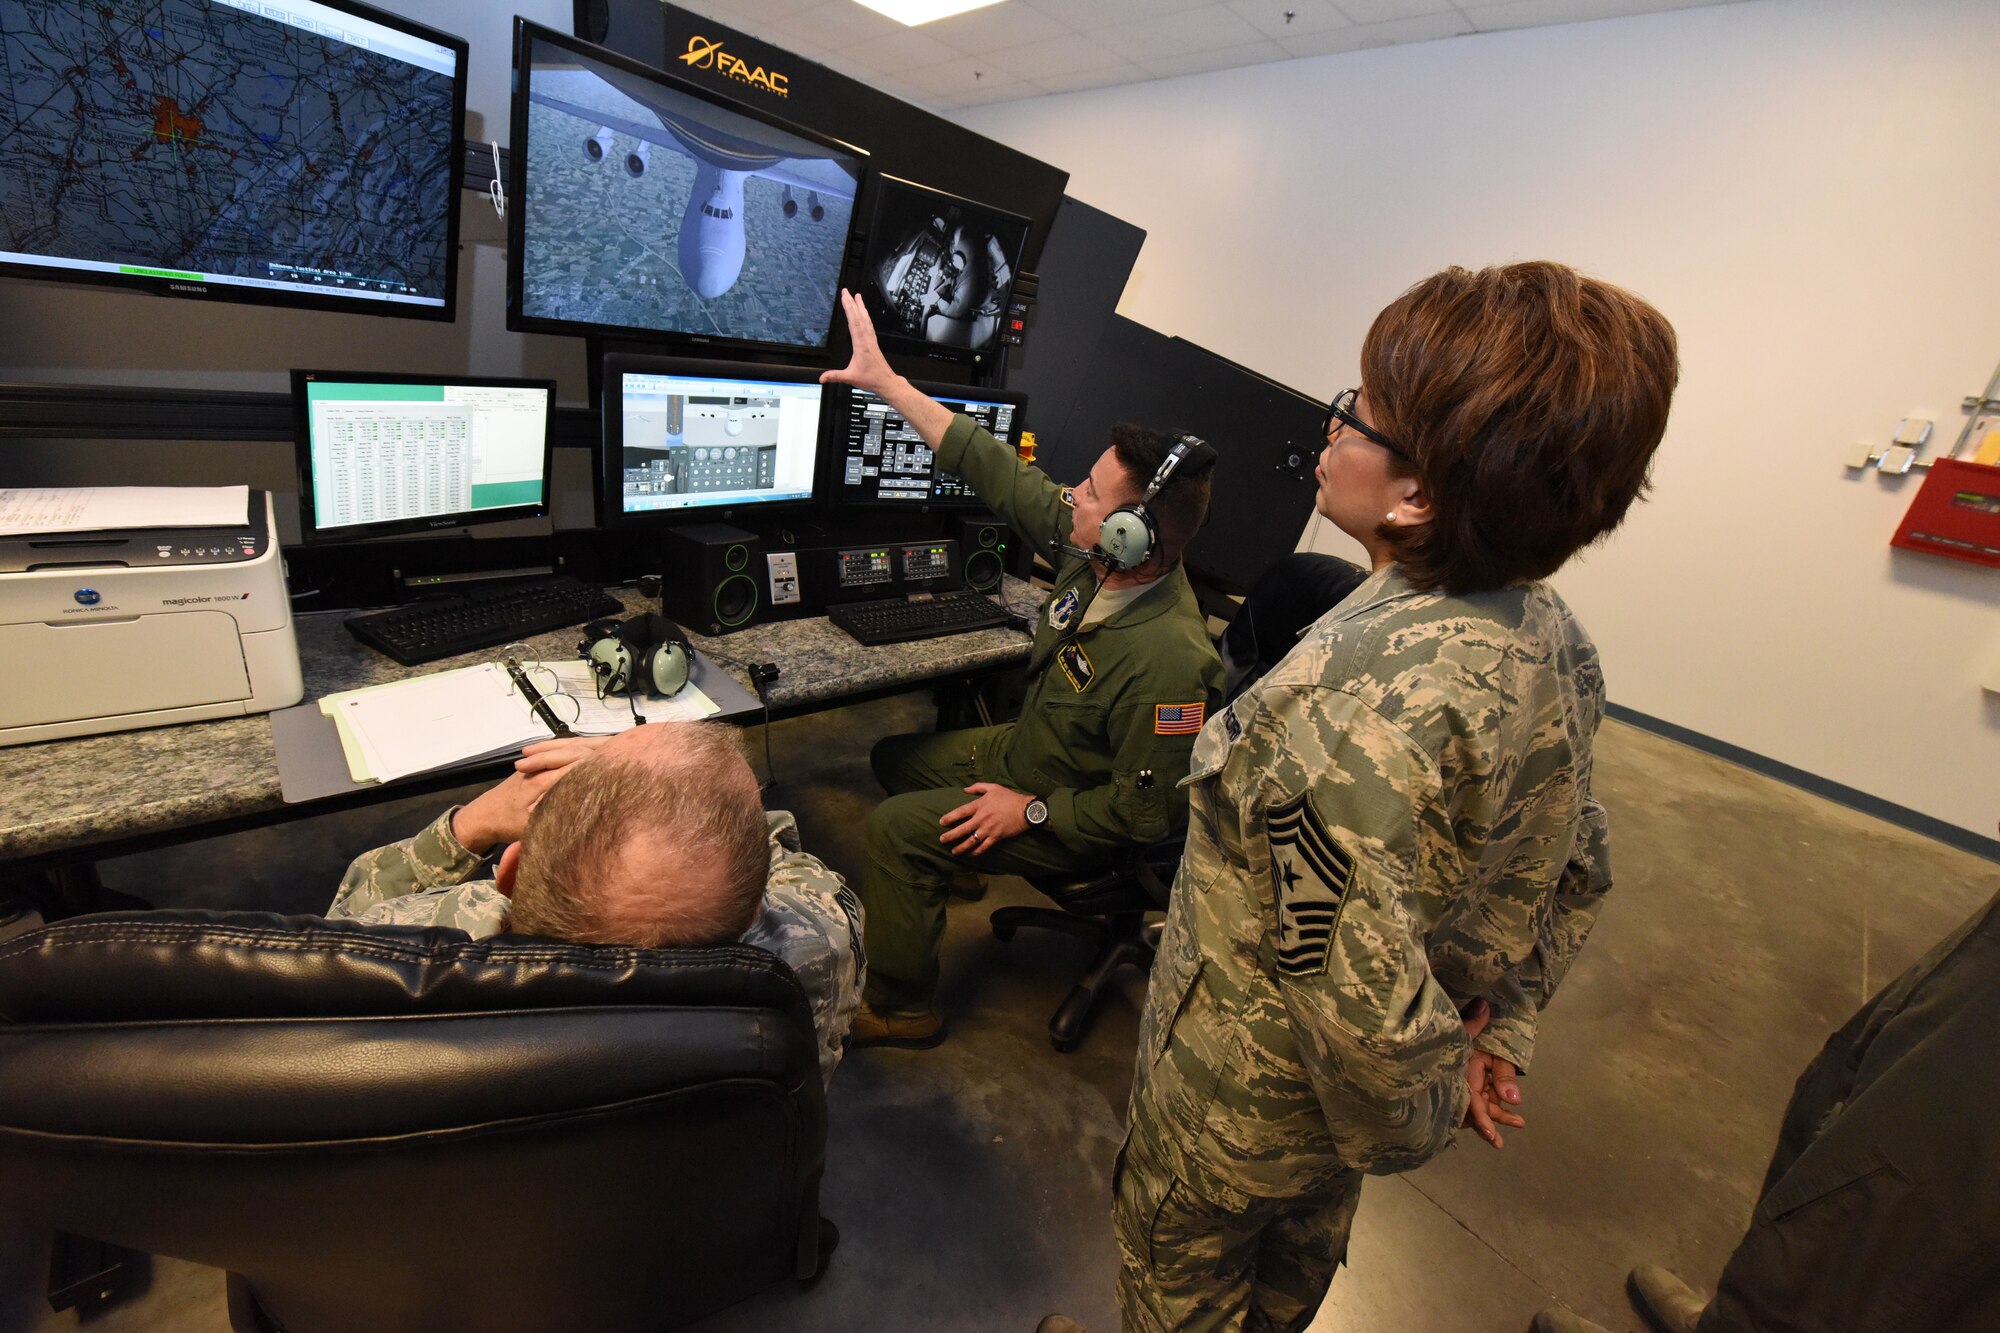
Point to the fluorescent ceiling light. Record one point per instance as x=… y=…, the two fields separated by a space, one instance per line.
x=913 y=12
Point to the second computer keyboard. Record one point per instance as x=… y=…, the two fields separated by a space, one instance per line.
x=897 y=619
x=462 y=622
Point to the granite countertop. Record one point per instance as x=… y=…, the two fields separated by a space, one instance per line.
x=65 y=795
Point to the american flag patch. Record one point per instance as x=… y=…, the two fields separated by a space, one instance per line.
x=1178 y=719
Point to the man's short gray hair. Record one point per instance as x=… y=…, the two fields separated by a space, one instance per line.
x=659 y=842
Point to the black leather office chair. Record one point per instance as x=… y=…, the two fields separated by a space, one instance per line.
x=1107 y=907
x=402 y=1129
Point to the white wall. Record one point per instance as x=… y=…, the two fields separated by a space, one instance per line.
x=1805 y=187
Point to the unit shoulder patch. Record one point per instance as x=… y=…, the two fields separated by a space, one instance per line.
x=1063 y=609
x=1312 y=873
x=1075 y=664
x=1179 y=719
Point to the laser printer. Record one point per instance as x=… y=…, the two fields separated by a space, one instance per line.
x=142 y=627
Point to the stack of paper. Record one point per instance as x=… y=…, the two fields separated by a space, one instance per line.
x=411 y=726
x=474 y=713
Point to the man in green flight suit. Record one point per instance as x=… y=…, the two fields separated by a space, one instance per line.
x=1121 y=676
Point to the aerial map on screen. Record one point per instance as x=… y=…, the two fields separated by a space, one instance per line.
x=291 y=145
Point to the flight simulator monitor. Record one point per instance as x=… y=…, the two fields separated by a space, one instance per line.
x=939 y=269
x=884 y=461
x=284 y=152
x=388 y=455
x=644 y=206
x=683 y=435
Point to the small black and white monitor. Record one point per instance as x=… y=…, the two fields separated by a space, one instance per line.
x=884 y=461
x=390 y=455
x=683 y=435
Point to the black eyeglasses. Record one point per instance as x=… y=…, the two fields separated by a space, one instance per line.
x=1341 y=409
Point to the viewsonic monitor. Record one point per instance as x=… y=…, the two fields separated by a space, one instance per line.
x=683 y=436
x=644 y=206
x=291 y=153
x=939 y=270
x=884 y=461
x=387 y=455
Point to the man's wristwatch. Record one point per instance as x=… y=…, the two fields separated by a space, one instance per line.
x=1037 y=812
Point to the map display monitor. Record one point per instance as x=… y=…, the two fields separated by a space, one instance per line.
x=682 y=435
x=884 y=461
x=383 y=455
x=646 y=207
x=276 y=151
x=939 y=270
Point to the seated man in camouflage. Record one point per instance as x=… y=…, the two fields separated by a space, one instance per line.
x=655 y=838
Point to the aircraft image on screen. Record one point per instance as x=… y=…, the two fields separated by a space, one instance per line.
x=622 y=123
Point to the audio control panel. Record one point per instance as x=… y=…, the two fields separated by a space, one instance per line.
x=829 y=574
x=863 y=567
x=926 y=563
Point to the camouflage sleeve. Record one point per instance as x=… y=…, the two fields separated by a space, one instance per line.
x=1579 y=897
x=1030 y=502
x=1344 y=837
x=431 y=859
x=1144 y=800
x=812 y=920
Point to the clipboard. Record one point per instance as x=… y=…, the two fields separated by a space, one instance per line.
x=312 y=766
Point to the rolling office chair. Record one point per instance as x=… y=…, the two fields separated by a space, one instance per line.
x=1107 y=907
x=403 y=1129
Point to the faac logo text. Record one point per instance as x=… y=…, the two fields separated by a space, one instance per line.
x=704 y=54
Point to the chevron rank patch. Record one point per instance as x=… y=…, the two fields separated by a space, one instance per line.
x=1075 y=664
x=1312 y=873
x=1068 y=496
x=1179 y=719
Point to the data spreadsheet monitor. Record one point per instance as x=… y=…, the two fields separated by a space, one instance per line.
x=884 y=461
x=386 y=455
x=274 y=151
x=684 y=435
x=648 y=207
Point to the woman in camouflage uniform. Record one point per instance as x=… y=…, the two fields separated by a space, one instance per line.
x=1393 y=855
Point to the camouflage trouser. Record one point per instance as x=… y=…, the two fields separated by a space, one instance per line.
x=1200 y=1255
x=906 y=877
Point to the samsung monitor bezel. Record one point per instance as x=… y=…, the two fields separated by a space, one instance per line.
x=885 y=187
x=312 y=534
x=611 y=462
x=834 y=488
x=670 y=341
x=201 y=287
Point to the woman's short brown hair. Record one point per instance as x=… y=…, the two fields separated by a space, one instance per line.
x=1530 y=399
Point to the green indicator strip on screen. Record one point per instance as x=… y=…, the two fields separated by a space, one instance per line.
x=492 y=495
x=162 y=273
x=374 y=393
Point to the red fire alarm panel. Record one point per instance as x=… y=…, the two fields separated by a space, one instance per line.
x=1957 y=513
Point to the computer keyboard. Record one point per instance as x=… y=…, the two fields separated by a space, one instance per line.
x=461 y=622
x=896 y=620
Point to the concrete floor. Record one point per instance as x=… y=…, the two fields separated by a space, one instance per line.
x=970 y=1183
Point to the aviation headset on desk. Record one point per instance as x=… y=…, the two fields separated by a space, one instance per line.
x=1128 y=536
x=647 y=654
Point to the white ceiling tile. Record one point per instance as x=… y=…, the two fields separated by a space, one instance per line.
x=1384 y=11
x=748 y=15
x=1108 y=77
x=1089 y=15
x=997 y=27
x=1307 y=16
x=835 y=26
x=1497 y=14
x=956 y=77
x=1014 y=92
x=1177 y=34
x=912 y=48
x=1212 y=58
x=1063 y=56
x=1362 y=36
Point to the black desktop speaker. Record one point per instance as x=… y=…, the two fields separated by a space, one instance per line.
x=982 y=550
x=712 y=578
